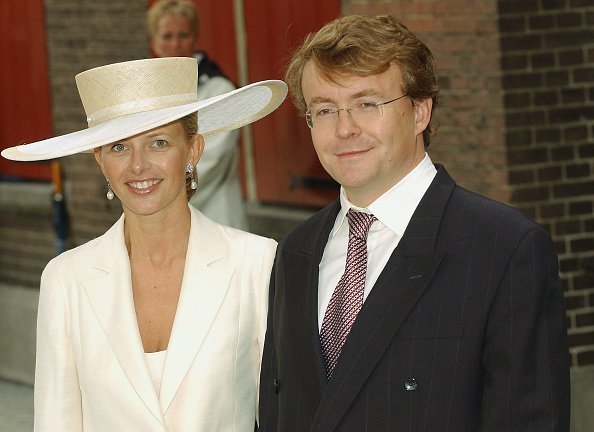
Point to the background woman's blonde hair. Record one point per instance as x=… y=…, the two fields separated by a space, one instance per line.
x=163 y=8
x=363 y=46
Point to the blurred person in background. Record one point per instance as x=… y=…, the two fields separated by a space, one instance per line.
x=174 y=26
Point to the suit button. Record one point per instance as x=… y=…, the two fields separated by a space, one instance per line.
x=276 y=385
x=410 y=384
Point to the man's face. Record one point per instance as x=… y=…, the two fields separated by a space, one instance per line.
x=366 y=155
x=174 y=37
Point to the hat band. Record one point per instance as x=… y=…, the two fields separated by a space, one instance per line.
x=141 y=105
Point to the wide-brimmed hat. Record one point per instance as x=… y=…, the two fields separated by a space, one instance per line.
x=122 y=100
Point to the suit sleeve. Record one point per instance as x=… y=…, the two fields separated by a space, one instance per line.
x=57 y=398
x=525 y=357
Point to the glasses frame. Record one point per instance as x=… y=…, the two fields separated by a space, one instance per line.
x=309 y=118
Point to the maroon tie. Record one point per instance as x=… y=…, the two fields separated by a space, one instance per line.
x=347 y=298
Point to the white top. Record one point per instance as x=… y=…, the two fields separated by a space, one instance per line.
x=219 y=189
x=155 y=362
x=393 y=210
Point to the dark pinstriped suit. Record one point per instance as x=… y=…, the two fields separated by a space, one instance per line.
x=463 y=331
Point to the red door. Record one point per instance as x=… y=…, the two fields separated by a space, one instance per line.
x=287 y=168
x=25 y=113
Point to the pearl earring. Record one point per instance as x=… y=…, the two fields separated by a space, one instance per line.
x=109 y=193
x=193 y=182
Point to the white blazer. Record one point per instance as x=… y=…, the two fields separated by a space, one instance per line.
x=91 y=373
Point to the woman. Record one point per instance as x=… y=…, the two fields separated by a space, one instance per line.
x=157 y=325
x=174 y=27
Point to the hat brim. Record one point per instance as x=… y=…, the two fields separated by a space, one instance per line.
x=218 y=114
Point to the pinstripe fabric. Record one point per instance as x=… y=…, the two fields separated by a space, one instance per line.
x=464 y=330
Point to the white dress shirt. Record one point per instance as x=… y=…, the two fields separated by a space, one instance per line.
x=393 y=211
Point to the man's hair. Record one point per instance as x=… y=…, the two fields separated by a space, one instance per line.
x=364 y=46
x=163 y=8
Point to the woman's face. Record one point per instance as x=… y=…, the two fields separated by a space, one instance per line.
x=174 y=37
x=148 y=171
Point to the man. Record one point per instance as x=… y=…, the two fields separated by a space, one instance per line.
x=173 y=26
x=449 y=315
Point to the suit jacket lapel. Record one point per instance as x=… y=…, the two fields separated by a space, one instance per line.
x=303 y=272
x=400 y=285
x=203 y=290
x=109 y=289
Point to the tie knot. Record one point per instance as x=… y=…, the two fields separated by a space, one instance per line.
x=359 y=223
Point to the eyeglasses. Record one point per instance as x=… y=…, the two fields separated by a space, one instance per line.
x=362 y=112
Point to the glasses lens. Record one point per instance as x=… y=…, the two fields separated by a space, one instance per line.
x=366 y=112
x=308 y=119
x=362 y=113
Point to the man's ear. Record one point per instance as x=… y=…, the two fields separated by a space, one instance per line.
x=422 y=109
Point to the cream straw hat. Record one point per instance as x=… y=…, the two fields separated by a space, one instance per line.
x=124 y=99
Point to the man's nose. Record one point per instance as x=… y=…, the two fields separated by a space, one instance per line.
x=346 y=125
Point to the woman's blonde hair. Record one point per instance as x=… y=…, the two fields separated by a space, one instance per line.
x=363 y=46
x=163 y=8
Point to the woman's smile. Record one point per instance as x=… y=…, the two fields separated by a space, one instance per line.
x=143 y=186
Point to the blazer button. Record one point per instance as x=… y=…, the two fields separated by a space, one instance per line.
x=276 y=385
x=410 y=384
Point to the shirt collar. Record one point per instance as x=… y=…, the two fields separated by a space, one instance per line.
x=395 y=207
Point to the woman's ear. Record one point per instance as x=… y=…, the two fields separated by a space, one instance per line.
x=196 y=148
x=422 y=109
x=98 y=158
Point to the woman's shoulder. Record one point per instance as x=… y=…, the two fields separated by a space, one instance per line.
x=232 y=236
x=89 y=253
x=250 y=240
x=75 y=255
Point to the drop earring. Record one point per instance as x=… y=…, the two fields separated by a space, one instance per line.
x=193 y=182
x=109 y=193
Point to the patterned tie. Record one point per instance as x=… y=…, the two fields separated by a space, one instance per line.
x=347 y=299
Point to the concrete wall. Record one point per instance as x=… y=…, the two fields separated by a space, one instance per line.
x=18 y=311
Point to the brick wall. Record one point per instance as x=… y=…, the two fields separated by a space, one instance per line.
x=26 y=235
x=82 y=35
x=548 y=80
x=463 y=37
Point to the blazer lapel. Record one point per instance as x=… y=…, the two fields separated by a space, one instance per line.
x=304 y=261
x=401 y=284
x=203 y=289
x=109 y=290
